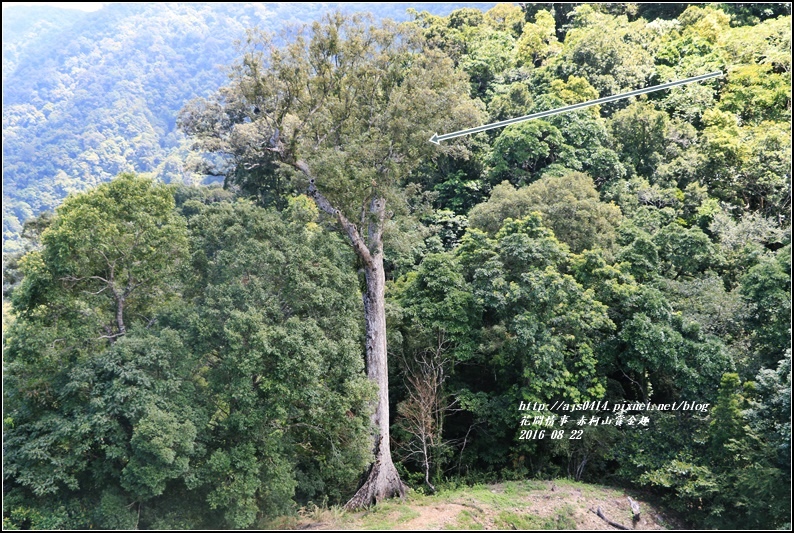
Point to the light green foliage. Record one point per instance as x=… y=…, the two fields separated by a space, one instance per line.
x=538 y=41
x=489 y=52
x=611 y=283
x=575 y=90
x=756 y=93
x=505 y=17
x=161 y=445
x=362 y=105
x=689 y=482
x=759 y=86
x=569 y=204
x=107 y=257
x=107 y=263
x=743 y=242
x=766 y=42
x=130 y=216
x=482 y=45
x=747 y=166
x=741 y=162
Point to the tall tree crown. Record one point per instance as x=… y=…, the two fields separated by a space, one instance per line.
x=347 y=101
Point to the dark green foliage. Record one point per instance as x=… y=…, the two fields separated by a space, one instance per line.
x=537 y=334
x=124 y=426
x=244 y=396
x=275 y=317
x=767 y=289
x=640 y=130
x=729 y=473
x=521 y=151
x=431 y=324
x=749 y=13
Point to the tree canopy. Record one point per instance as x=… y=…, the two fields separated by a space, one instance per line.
x=357 y=311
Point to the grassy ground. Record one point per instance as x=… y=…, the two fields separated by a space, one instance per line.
x=518 y=505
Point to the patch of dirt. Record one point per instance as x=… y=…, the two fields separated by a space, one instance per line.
x=614 y=505
x=434 y=517
x=561 y=504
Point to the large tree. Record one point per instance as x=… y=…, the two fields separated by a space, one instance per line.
x=343 y=111
x=106 y=260
x=98 y=408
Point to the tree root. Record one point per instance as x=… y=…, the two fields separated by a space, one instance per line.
x=383 y=482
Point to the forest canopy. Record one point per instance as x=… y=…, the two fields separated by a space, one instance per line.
x=185 y=356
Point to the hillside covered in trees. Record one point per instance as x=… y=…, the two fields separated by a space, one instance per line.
x=89 y=95
x=181 y=355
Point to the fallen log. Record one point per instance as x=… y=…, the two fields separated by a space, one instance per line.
x=602 y=516
x=635 y=508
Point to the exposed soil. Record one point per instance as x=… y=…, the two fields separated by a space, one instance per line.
x=519 y=505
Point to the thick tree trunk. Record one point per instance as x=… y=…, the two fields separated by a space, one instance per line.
x=383 y=480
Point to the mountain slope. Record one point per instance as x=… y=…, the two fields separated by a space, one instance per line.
x=89 y=95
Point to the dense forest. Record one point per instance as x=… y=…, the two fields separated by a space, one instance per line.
x=89 y=95
x=181 y=355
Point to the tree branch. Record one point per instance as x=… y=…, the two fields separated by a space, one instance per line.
x=112 y=337
x=602 y=516
x=359 y=246
x=76 y=279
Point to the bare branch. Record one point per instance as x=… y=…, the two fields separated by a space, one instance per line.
x=75 y=279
